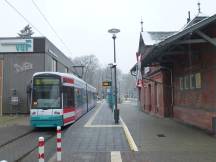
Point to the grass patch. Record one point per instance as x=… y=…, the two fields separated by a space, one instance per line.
x=6 y=118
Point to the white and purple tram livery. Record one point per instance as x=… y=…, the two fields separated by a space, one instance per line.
x=59 y=99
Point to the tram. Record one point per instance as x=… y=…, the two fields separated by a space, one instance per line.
x=59 y=99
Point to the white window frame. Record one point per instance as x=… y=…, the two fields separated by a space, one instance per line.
x=54 y=65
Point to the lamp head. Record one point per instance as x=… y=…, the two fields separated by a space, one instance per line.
x=110 y=64
x=113 y=31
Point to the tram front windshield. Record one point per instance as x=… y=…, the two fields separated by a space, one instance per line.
x=46 y=93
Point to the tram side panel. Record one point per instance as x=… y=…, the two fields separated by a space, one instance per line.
x=91 y=97
x=69 y=110
x=80 y=102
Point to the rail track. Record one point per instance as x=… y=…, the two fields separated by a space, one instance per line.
x=21 y=146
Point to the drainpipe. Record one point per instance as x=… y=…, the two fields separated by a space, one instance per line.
x=172 y=91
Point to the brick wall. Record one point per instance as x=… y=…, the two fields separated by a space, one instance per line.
x=154 y=99
x=196 y=106
x=196 y=117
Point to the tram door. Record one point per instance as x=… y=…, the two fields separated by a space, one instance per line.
x=1 y=85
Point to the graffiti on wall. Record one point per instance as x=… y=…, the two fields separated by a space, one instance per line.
x=24 y=67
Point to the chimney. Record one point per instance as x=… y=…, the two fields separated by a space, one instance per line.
x=188 y=19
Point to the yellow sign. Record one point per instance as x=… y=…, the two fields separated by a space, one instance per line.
x=106 y=83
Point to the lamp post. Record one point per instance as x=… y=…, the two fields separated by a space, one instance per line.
x=116 y=110
x=111 y=88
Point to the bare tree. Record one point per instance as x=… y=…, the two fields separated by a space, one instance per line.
x=95 y=74
x=90 y=63
x=128 y=85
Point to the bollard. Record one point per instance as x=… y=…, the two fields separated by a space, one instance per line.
x=58 y=140
x=41 y=149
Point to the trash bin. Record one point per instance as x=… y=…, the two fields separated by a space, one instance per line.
x=116 y=115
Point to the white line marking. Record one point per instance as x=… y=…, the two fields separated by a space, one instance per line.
x=130 y=140
x=89 y=123
x=93 y=116
x=116 y=156
x=103 y=126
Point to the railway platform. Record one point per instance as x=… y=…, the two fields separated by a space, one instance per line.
x=96 y=138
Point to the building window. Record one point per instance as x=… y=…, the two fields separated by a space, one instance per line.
x=198 y=80
x=54 y=65
x=192 y=81
x=186 y=82
x=181 y=82
x=66 y=70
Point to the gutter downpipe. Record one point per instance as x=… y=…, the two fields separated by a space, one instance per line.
x=172 y=92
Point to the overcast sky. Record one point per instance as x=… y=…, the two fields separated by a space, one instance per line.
x=83 y=24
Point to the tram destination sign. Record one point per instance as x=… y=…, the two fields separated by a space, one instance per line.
x=16 y=45
x=106 y=83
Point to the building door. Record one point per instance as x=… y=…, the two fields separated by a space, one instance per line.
x=1 y=85
x=156 y=97
x=149 y=97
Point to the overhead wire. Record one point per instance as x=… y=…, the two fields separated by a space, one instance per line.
x=29 y=22
x=15 y=9
x=44 y=17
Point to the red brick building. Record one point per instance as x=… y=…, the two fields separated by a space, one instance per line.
x=155 y=84
x=179 y=74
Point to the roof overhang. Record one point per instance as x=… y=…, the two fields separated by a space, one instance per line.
x=159 y=48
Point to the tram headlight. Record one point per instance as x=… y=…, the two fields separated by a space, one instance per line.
x=56 y=113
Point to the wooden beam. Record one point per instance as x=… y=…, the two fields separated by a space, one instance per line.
x=174 y=53
x=192 y=41
x=206 y=37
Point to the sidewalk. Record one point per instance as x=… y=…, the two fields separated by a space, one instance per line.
x=165 y=139
x=93 y=137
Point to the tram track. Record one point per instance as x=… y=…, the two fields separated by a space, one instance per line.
x=23 y=147
x=16 y=138
x=33 y=149
x=20 y=147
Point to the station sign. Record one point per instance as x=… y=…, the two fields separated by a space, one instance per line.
x=16 y=45
x=147 y=69
x=106 y=83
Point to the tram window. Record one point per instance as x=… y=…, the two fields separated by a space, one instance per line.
x=80 y=96
x=68 y=96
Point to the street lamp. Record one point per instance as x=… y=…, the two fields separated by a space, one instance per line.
x=116 y=110
x=111 y=101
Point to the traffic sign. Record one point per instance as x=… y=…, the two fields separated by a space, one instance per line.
x=106 y=83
